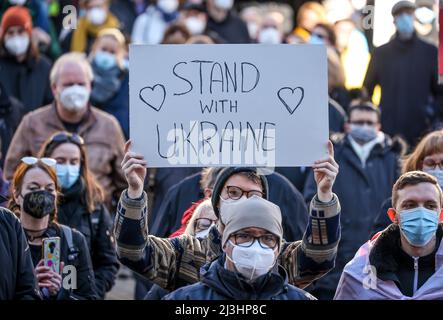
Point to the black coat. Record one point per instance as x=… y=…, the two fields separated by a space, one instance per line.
x=27 y=81
x=407 y=72
x=11 y=113
x=361 y=192
x=218 y=283
x=17 y=280
x=96 y=227
x=231 y=30
x=281 y=192
x=78 y=257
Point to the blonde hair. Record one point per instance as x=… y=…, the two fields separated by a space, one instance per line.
x=115 y=34
x=311 y=6
x=205 y=206
x=72 y=57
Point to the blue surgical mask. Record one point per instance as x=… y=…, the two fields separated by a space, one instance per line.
x=315 y=39
x=405 y=25
x=67 y=175
x=105 y=60
x=362 y=133
x=438 y=174
x=418 y=225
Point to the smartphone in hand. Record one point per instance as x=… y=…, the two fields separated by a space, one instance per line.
x=51 y=253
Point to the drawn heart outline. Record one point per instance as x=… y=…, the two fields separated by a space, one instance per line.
x=287 y=106
x=153 y=88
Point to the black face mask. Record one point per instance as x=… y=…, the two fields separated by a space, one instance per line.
x=39 y=204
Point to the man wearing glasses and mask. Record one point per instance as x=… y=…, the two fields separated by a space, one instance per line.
x=248 y=268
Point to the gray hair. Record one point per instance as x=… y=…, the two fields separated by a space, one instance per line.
x=74 y=57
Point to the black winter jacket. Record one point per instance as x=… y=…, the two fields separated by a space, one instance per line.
x=218 y=283
x=96 y=227
x=17 y=280
x=407 y=72
x=27 y=81
x=76 y=256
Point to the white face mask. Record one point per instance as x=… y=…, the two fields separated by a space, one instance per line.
x=253 y=29
x=224 y=4
x=195 y=25
x=269 y=36
x=168 y=6
x=252 y=262
x=74 y=98
x=17 y=2
x=97 y=16
x=203 y=234
x=17 y=45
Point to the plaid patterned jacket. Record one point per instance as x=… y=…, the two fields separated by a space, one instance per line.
x=175 y=262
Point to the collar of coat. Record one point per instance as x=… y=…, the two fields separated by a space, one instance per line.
x=53 y=120
x=386 y=245
x=234 y=286
x=395 y=144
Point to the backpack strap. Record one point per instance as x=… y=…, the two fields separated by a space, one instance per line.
x=72 y=250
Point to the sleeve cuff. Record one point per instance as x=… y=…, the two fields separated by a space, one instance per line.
x=133 y=208
x=325 y=210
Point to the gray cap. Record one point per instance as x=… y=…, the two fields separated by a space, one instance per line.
x=404 y=4
x=252 y=212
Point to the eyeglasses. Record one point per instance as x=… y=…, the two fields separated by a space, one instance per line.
x=267 y=241
x=203 y=224
x=362 y=122
x=236 y=193
x=33 y=160
x=67 y=137
x=432 y=164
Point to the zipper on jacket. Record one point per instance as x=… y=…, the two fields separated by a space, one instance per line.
x=415 y=285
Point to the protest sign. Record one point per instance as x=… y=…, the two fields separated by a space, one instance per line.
x=229 y=105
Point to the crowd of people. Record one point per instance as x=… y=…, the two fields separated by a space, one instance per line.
x=364 y=223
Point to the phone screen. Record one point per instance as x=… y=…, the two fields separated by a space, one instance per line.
x=51 y=253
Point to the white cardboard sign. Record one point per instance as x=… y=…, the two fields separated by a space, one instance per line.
x=229 y=105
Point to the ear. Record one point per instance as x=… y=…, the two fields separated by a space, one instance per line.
x=378 y=126
x=208 y=193
x=15 y=196
x=54 y=90
x=392 y=215
x=347 y=127
x=441 y=216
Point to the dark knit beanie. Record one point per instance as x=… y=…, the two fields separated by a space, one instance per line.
x=224 y=175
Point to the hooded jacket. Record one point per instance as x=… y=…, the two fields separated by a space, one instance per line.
x=218 y=283
x=372 y=274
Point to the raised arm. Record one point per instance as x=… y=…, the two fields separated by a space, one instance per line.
x=314 y=256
